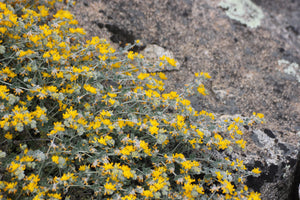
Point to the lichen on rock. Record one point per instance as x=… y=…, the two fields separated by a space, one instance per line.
x=244 y=11
x=292 y=69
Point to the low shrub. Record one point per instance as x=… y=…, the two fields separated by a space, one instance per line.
x=81 y=120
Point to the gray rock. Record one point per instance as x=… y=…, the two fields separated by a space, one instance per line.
x=292 y=69
x=277 y=157
x=153 y=52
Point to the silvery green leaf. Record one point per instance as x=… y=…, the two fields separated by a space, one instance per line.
x=2 y=49
x=2 y=154
x=33 y=124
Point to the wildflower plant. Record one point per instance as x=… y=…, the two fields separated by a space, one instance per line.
x=79 y=119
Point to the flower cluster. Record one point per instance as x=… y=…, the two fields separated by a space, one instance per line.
x=80 y=120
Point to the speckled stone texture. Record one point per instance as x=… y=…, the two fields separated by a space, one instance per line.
x=243 y=63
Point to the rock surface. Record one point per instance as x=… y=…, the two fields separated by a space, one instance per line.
x=153 y=52
x=243 y=62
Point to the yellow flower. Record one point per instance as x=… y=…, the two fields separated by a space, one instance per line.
x=11 y=187
x=144 y=146
x=240 y=164
x=13 y=18
x=126 y=171
x=39 y=196
x=157 y=172
x=55 y=159
x=27 y=159
x=256 y=170
x=70 y=113
x=129 y=197
x=62 y=44
x=201 y=89
x=56 y=57
x=241 y=142
x=200 y=133
x=161 y=182
x=3 y=30
x=82 y=168
x=259 y=115
x=142 y=76
x=131 y=55
x=54 y=195
x=112 y=101
x=9 y=73
x=24 y=53
x=43 y=11
x=127 y=150
x=90 y=89
x=109 y=188
x=108 y=166
x=185 y=102
x=46 y=54
x=179 y=155
x=34 y=38
x=227 y=187
x=102 y=141
x=147 y=193
x=219 y=176
x=34 y=179
x=8 y=136
x=58 y=126
x=254 y=196
x=153 y=130
x=199 y=189
x=180 y=121
x=154 y=122
x=67 y=176
x=14 y=166
x=61 y=14
x=162 y=76
x=206 y=75
x=77 y=30
x=94 y=41
x=222 y=144
x=106 y=122
x=188 y=187
x=189 y=164
x=112 y=95
x=3 y=92
x=171 y=61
